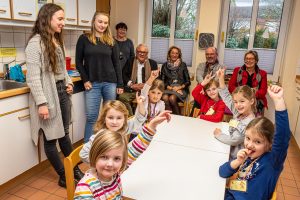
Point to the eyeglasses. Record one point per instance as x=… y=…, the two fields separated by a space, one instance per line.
x=142 y=52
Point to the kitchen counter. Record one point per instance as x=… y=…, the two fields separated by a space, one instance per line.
x=24 y=90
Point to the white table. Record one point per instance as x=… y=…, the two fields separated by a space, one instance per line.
x=180 y=169
x=191 y=132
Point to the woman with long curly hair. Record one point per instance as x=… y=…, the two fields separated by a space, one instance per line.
x=97 y=60
x=50 y=87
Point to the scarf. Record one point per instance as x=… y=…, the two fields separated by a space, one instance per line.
x=147 y=68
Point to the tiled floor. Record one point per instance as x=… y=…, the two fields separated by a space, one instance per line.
x=44 y=185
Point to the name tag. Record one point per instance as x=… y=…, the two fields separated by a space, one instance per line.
x=233 y=123
x=238 y=185
x=210 y=111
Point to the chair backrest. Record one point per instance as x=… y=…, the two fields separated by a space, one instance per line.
x=196 y=112
x=274 y=196
x=70 y=162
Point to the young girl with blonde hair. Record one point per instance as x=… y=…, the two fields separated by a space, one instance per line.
x=114 y=117
x=109 y=156
x=242 y=104
x=256 y=168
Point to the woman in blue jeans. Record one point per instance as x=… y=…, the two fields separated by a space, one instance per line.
x=97 y=60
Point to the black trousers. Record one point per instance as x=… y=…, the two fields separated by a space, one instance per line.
x=64 y=142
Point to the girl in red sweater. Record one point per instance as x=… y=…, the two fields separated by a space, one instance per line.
x=206 y=94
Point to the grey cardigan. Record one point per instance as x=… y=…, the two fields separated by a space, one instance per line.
x=42 y=86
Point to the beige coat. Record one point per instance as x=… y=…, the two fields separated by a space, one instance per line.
x=42 y=90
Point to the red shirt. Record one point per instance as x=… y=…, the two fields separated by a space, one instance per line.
x=262 y=89
x=206 y=102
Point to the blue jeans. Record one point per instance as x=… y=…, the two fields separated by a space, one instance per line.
x=93 y=98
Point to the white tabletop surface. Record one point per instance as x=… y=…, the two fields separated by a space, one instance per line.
x=167 y=171
x=191 y=132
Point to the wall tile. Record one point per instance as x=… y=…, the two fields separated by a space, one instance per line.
x=7 y=39
x=19 y=39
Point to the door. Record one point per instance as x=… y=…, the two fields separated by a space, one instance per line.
x=254 y=24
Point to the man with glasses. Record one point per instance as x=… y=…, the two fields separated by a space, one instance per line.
x=136 y=72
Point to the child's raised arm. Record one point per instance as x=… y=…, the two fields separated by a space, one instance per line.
x=221 y=75
x=153 y=76
x=276 y=93
x=140 y=99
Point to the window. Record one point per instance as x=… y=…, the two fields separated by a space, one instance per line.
x=258 y=25
x=173 y=23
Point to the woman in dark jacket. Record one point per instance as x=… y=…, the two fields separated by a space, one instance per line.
x=175 y=75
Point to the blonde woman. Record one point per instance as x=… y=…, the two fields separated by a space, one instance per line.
x=97 y=60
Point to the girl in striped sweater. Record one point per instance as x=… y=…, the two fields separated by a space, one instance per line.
x=109 y=156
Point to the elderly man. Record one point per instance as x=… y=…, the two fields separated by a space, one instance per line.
x=211 y=64
x=136 y=72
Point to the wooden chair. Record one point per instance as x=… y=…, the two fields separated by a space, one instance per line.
x=274 y=195
x=70 y=162
x=196 y=112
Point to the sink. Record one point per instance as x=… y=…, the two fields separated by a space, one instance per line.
x=9 y=84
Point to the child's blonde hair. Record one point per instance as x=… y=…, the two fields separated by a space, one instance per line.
x=107 y=37
x=107 y=141
x=113 y=104
x=159 y=84
x=248 y=93
x=264 y=127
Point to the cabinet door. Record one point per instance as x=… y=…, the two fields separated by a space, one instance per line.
x=17 y=150
x=5 y=9
x=24 y=10
x=27 y=9
x=79 y=117
x=70 y=8
x=86 y=10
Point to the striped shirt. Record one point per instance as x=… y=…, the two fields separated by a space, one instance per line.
x=90 y=187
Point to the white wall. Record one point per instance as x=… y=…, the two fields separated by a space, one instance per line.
x=133 y=13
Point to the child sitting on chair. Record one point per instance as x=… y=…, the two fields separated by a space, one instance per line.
x=153 y=91
x=109 y=156
x=255 y=170
x=206 y=94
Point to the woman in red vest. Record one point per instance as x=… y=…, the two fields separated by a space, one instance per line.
x=250 y=74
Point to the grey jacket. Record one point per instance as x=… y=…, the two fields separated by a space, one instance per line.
x=236 y=135
x=42 y=86
x=200 y=71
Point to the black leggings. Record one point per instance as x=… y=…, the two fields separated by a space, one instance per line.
x=64 y=142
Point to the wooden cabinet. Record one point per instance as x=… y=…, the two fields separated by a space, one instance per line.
x=86 y=10
x=17 y=150
x=26 y=9
x=70 y=8
x=5 y=9
x=79 y=118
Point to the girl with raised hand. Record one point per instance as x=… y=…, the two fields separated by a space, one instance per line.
x=255 y=170
x=242 y=104
x=206 y=94
x=109 y=156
